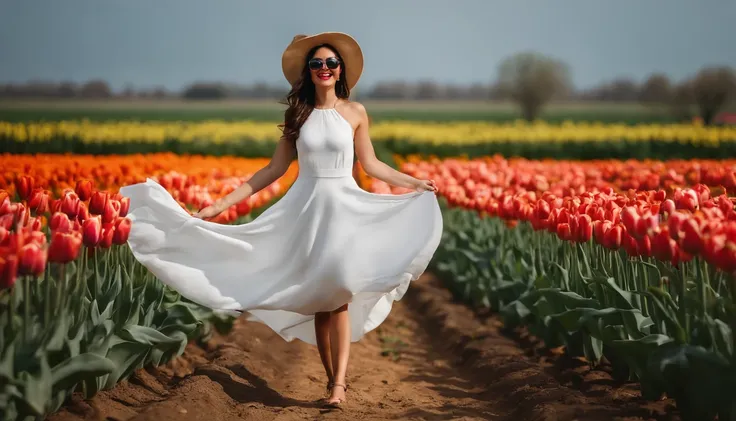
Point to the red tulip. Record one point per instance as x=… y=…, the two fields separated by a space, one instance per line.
x=538 y=224
x=4 y=233
x=83 y=212
x=122 y=230
x=542 y=210
x=97 y=202
x=65 y=246
x=60 y=223
x=663 y=246
x=674 y=223
x=55 y=206
x=686 y=199
x=644 y=246
x=613 y=237
x=112 y=211
x=724 y=204
x=92 y=231
x=22 y=214
x=7 y=221
x=32 y=260
x=6 y=206
x=37 y=237
x=703 y=192
x=24 y=186
x=70 y=205
x=600 y=214
x=600 y=228
x=630 y=218
x=84 y=189
x=584 y=228
x=8 y=270
x=108 y=231
x=646 y=225
x=692 y=241
x=564 y=232
x=668 y=207
x=39 y=201
x=630 y=245
x=124 y=206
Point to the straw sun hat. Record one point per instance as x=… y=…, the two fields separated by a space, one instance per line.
x=295 y=56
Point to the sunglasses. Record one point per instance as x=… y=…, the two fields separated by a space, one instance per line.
x=316 y=63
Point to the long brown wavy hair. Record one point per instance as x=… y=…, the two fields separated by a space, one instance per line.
x=301 y=98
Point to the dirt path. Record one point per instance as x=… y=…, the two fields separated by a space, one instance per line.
x=431 y=360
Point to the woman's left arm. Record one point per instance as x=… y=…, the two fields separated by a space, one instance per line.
x=373 y=166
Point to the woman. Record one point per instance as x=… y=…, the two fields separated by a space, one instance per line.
x=327 y=251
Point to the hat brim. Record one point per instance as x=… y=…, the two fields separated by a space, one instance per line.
x=294 y=58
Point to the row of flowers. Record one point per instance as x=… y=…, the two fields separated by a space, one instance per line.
x=633 y=263
x=48 y=210
x=460 y=132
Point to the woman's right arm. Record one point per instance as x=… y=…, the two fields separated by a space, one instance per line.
x=280 y=161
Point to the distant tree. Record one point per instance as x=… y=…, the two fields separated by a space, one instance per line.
x=67 y=89
x=128 y=91
x=205 y=91
x=657 y=89
x=159 y=92
x=712 y=88
x=683 y=98
x=390 y=90
x=95 y=89
x=260 y=90
x=532 y=80
x=427 y=89
x=623 y=89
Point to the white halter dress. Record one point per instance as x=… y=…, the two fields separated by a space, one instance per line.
x=325 y=243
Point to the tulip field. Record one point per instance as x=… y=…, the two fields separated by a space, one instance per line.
x=557 y=228
x=79 y=313
x=632 y=262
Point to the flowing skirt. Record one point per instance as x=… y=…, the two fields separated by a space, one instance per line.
x=325 y=243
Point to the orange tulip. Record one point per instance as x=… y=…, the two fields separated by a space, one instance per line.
x=24 y=186
x=84 y=189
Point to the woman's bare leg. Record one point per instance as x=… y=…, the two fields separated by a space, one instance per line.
x=322 y=331
x=340 y=346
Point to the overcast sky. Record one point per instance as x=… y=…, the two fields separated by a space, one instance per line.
x=175 y=42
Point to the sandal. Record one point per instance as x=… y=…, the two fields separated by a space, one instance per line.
x=340 y=400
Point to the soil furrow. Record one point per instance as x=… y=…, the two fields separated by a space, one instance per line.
x=432 y=359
